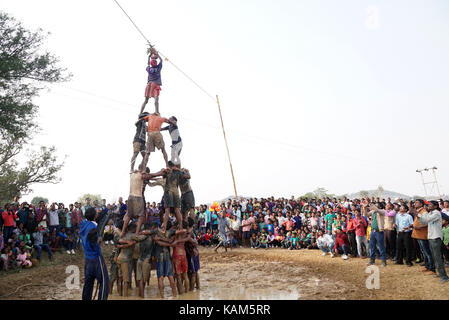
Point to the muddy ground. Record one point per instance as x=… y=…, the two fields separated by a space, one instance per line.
x=245 y=274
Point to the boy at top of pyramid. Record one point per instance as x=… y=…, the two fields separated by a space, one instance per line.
x=154 y=82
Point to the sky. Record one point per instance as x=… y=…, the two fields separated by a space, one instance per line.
x=345 y=95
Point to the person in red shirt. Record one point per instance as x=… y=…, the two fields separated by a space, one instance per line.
x=350 y=231
x=9 y=217
x=207 y=237
x=360 y=233
x=341 y=244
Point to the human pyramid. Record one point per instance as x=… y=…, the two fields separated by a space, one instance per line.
x=149 y=244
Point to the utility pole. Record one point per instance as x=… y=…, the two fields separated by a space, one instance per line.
x=434 y=183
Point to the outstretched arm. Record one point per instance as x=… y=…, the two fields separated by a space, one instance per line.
x=157 y=182
x=375 y=208
x=125 y=244
x=147 y=176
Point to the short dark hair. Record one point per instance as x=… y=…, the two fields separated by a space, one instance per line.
x=420 y=201
x=90 y=214
x=436 y=204
x=170 y=163
x=175 y=118
x=120 y=224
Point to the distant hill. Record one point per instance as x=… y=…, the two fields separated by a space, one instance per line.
x=375 y=193
x=371 y=193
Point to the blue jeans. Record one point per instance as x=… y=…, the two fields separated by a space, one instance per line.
x=377 y=239
x=327 y=249
x=7 y=233
x=343 y=249
x=69 y=245
x=44 y=246
x=51 y=228
x=427 y=254
x=95 y=269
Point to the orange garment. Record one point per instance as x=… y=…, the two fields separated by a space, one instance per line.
x=420 y=234
x=154 y=122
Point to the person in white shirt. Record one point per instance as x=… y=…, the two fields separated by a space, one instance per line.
x=243 y=203
x=325 y=243
x=53 y=215
x=235 y=227
x=435 y=236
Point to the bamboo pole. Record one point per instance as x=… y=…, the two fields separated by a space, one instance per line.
x=227 y=148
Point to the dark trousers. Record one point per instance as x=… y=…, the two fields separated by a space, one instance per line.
x=404 y=242
x=427 y=254
x=39 y=248
x=95 y=269
x=69 y=245
x=376 y=239
x=344 y=249
x=390 y=243
x=108 y=237
x=445 y=252
x=7 y=233
x=417 y=254
x=353 y=243
x=435 y=247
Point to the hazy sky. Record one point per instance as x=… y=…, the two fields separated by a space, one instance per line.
x=346 y=95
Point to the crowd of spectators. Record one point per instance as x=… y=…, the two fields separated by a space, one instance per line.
x=397 y=230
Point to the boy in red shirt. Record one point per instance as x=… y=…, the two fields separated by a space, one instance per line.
x=342 y=243
x=9 y=217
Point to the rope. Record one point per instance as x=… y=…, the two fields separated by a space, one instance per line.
x=164 y=56
x=235 y=133
x=141 y=33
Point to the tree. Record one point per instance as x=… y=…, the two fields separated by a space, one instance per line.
x=364 y=194
x=92 y=198
x=35 y=201
x=320 y=193
x=25 y=68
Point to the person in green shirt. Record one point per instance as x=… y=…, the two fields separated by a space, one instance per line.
x=294 y=241
x=329 y=219
x=445 y=248
x=261 y=224
x=263 y=242
x=26 y=237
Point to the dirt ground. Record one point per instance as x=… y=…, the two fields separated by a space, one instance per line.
x=245 y=274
